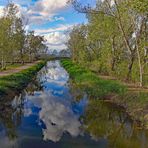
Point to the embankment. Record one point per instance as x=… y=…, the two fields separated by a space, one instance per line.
x=15 y=82
x=113 y=91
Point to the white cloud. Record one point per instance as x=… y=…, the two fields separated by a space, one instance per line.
x=41 y=11
x=46 y=7
x=45 y=10
x=59 y=28
x=56 y=40
x=56 y=37
x=39 y=19
x=59 y=18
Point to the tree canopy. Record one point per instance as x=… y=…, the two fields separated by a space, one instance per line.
x=115 y=39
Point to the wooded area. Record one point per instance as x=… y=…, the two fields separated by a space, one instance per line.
x=115 y=39
x=16 y=44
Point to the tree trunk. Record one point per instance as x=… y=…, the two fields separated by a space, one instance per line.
x=126 y=42
x=3 y=63
x=113 y=64
x=137 y=41
x=129 y=74
x=121 y=28
x=21 y=56
x=140 y=69
x=113 y=54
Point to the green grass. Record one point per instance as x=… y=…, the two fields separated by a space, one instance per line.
x=90 y=82
x=18 y=81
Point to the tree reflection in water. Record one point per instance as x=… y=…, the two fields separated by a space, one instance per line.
x=10 y=118
x=102 y=120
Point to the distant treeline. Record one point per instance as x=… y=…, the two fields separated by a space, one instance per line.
x=115 y=39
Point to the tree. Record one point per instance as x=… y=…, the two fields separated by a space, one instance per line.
x=77 y=44
x=65 y=53
x=5 y=24
x=16 y=45
x=35 y=45
x=121 y=26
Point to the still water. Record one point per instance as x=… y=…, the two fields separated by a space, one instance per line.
x=52 y=112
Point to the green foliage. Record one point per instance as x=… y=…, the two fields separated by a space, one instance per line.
x=141 y=6
x=91 y=83
x=76 y=42
x=114 y=41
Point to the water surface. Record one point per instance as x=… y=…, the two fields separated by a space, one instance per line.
x=54 y=113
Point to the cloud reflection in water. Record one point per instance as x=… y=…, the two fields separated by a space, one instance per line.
x=56 y=113
x=57 y=117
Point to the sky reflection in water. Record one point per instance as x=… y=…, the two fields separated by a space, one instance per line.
x=54 y=104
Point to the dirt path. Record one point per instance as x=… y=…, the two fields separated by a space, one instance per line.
x=131 y=86
x=17 y=69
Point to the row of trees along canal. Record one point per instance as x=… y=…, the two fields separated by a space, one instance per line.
x=115 y=39
x=17 y=45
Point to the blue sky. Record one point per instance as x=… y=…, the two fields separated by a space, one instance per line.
x=51 y=18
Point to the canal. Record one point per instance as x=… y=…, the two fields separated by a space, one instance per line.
x=52 y=112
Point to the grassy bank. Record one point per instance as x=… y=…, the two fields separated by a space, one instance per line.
x=135 y=103
x=91 y=83
x=16 y=82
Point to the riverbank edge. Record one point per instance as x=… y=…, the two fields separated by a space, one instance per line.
x=119 y=96
x=16 y=82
